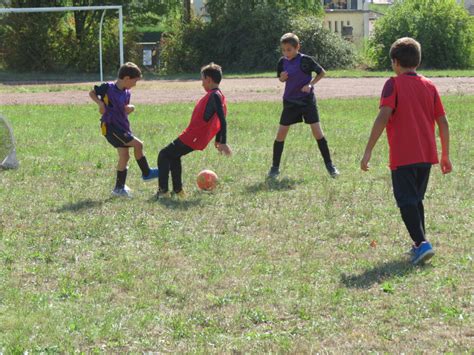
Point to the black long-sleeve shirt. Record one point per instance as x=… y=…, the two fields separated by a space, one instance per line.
x=214 y=105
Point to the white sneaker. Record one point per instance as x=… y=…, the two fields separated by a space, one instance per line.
x=125 y=192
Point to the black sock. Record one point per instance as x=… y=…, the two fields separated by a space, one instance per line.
x=277 y=152
x=324 y=149
x=421 y=211
x=413 y=222
x=121 y=178
x=144 y=167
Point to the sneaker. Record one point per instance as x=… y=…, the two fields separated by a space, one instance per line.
x=273 y=173
x=153 y=174
x=122 y=192
x=163 y=195
x=423 y=253
x=332 y=170
x=181 y=195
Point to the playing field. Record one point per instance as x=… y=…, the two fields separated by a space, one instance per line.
x=255 y=266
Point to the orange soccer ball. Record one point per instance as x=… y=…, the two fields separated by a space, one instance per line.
x=207 y=180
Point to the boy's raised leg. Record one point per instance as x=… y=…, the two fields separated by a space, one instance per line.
x=147 y=172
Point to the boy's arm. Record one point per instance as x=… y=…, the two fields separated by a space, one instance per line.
x=281 y=73
x=320 y=73
x=377 y=129
x=443 y=126
x=99 y=102
x=221 y=137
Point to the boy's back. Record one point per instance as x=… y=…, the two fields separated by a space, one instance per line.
x=411 y=129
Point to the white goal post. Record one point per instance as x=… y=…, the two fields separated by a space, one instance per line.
x=79 y=8
x=7 y=146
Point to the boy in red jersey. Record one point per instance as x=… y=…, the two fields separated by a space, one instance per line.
x=208 y=121
x=409 y=107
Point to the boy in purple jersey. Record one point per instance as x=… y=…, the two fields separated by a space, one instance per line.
x=113 y=100
x=299 y=102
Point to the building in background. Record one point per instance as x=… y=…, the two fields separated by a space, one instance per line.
x=350 y=18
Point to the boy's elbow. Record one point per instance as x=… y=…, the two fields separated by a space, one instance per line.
x=442 y=121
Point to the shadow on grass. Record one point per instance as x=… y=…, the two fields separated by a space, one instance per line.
x=379 y=274
x=273 y=185
x=81 y=205
x=175 y=204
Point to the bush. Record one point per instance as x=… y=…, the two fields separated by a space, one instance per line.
x=329 y=49
x=241 y=42
x=237 y=41
x=441 y=26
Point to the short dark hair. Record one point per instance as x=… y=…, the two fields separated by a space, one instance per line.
x=290 y=38
x=131 y=70
x=407 y=51
x=212 y=71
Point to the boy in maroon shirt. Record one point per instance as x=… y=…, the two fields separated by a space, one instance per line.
x=409 y=107
x=207 y=121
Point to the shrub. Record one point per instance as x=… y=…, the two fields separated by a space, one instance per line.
x=329 y=48
x=441 y=26
x=240 y=42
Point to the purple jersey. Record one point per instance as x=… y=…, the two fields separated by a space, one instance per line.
x=299 y=71
x=115 y=101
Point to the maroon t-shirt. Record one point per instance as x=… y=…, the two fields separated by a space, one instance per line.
x=411 y=129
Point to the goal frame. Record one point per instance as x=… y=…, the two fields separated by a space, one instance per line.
x=16 y=10
x=10 y=161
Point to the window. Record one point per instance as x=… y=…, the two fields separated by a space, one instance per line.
x=329 y=25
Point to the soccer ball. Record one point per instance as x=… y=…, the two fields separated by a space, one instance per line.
x=207 y=180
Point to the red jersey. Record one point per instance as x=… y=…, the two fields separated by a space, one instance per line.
x=200 y=132
x=411 y=129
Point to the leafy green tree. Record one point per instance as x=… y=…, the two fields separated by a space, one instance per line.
x=441 y=26
x=218 y=8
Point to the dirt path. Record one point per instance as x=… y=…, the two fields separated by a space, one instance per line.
x=236 y=90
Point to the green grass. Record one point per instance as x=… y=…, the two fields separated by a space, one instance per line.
x=254 y=267
x=39 y=82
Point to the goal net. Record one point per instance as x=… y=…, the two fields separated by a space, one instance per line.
x=7 y=146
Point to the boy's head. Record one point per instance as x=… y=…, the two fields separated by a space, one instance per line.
x=129 y=74
x=290 y=45
x=405 y=53
x=211 y=75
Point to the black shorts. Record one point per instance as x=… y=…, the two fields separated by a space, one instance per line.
x=410 y=182
x=115 y=135
x=295 y=111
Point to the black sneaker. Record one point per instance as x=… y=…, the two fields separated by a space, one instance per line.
x=332 y=170
x=273 y=173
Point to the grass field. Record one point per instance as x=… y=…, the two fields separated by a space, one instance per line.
x=255 y=266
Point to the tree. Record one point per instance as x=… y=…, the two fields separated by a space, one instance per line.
x=218 y=8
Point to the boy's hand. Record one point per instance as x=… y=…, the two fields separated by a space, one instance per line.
x=307 y=88
x=129 y=108
x=283 y=76
x=364 y=163
x=446 y=166
x=101 y=108
x=223 y=148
